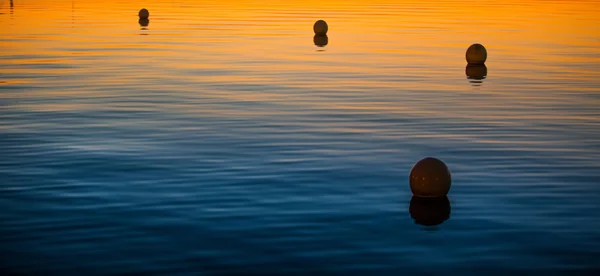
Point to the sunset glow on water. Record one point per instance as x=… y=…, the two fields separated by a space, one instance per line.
x=221 y=140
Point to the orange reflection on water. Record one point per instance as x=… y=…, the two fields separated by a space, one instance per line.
x=376 y=47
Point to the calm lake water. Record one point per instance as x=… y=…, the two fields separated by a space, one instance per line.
x=219 y=140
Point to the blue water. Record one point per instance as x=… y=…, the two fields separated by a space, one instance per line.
x=191 y=152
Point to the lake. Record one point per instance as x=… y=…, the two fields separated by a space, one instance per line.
x=218 y=139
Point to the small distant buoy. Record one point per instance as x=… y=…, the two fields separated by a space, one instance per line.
x=476 y=71
x=320 y=27
x=429 y=178
x=144 y=14
x=476 y=54
x=429 y=211
x=321 y=40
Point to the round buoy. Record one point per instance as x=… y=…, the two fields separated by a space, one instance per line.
x=321 y=40
x=430 y=178
x=429 y=211
x=476 y=54
x=476 y=71
x=320 y=27
x=144 y=14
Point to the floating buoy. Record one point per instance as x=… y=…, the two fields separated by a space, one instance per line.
x=320 y=27
x=476 y=54
x=429 y=178
x=144 y=14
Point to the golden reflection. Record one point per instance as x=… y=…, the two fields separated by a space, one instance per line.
x=370 y=41
x=429 y=211
x=360 y=18
x=321 y=40
x=476 y=73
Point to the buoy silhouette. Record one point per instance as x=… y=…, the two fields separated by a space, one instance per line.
x=476 y=54
x=430 y=178
x=429 y=211
x=321 y=40
x=320 y=27
x=144 y=14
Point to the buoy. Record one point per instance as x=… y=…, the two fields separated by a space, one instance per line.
x=320 y=27
x=321 y=40
x=476 y=54
x=476 y=72
x=144 y=14
x=429 y=178
x=429 y=211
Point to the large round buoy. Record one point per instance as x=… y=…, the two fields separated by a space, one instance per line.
x=320 y=27
x=430 y=177
x=144 y=14
x=476 y=54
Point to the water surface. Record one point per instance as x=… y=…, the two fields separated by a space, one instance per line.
x=219 y=139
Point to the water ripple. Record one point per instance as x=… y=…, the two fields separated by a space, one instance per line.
x=222 y=142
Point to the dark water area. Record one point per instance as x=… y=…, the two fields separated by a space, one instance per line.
x=227 y=139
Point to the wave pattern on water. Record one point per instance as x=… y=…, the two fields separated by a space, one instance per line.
x=219 y=139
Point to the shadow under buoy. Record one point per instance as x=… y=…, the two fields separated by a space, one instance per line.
x=321 y=40
x=429 y=211
x=476 y=73
x=144 y=22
